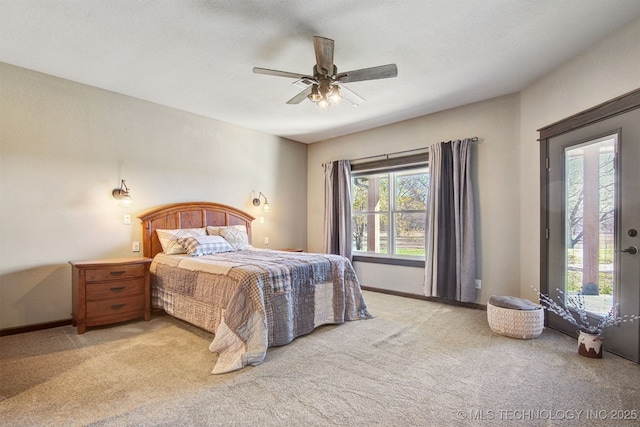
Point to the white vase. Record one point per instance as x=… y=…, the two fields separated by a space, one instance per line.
x=590 y=345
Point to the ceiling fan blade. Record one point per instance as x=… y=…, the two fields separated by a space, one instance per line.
x=373 y=73
x=269 y=72
x=350 y=97
x=324 y=54
x=304 y=82
x=300 y=97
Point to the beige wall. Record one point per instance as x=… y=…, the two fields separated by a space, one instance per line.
x=608 y=69
x=507 y=162
x=495 y=173
x=65 y=146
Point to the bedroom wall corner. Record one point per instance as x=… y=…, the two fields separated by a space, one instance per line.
x=606 y=70
x=64 y=146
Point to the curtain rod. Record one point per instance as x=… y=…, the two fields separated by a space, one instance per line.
x=473 y=139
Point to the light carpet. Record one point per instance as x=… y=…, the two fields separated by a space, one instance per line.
x=417 y=363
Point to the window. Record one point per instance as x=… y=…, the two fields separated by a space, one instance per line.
x=389 y=213
x=589 y=217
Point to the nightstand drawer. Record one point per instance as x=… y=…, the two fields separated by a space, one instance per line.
x=119 y=289
x=105 y=291
x=116 y=272
x=115 y=306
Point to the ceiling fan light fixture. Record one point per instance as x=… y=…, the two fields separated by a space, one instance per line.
x=323 y=103
x=315 y=95
x=335 y=96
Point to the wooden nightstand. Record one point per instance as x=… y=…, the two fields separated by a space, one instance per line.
x=107 y=291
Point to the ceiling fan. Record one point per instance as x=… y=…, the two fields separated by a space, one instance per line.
x=326 y=85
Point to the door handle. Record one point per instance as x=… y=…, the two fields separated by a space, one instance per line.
x=632 y=250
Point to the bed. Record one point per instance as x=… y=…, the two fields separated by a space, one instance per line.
x=249 y=298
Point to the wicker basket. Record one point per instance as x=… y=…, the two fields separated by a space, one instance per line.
x=522 y=324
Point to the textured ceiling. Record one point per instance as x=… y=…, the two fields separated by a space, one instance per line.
x=198 y=56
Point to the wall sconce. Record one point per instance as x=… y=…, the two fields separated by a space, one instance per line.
x=123 y=193
x=256 y=202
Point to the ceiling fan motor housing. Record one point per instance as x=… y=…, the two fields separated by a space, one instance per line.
x=331 y=76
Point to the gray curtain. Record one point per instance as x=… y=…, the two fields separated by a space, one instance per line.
x=337 y=208
x=450 y=243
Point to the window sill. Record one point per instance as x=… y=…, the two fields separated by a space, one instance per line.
x=390 y=261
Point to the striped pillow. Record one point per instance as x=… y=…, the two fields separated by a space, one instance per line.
x=169 y=238
x=237 y=237
x=216 y=230
x=205 y=245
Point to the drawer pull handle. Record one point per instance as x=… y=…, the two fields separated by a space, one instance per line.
x=118 y=289
x=118 y=273
x=117 y=306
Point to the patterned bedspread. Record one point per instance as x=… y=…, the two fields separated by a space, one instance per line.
x=255 y=299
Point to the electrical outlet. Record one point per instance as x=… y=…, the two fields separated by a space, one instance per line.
x=478 y=284
x=266 y=240
x=135 y=247
x=126 y=219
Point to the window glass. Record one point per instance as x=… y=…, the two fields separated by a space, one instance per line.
x=411 y=190
x=389 y=212
x=370 y=233
x=410 y=233
x=589 y=217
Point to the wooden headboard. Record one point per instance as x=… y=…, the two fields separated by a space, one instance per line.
x=188 y=215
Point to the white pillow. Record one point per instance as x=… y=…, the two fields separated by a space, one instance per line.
x=205 y=245
x=169 y=239
x=237 y=237
x=217 y=230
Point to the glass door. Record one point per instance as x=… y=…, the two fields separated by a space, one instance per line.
x=594 y=217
